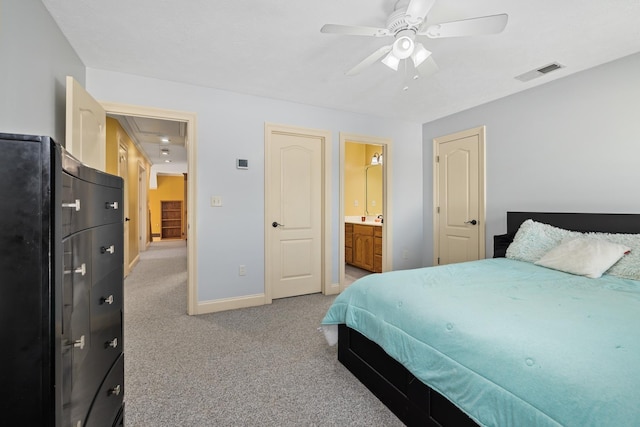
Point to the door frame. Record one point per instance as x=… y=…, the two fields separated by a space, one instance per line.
x=191 y=144
x=124 y=174
x=482 y=213
x=387 y=229
x=143 y=208
x=327 y=288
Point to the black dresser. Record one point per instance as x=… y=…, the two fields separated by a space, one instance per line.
x=61 y=288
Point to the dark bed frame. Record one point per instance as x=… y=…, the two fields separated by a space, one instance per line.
x=411 y=400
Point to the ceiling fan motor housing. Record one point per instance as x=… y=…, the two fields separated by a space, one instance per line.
x=397 y=21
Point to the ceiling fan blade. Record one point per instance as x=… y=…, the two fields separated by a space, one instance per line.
x=352 y=30
x=369 y=60
x=467 y=27
x=417 y=11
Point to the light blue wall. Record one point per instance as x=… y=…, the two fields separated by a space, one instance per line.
x=231 y=126
x=35 y=59
x=571 y=145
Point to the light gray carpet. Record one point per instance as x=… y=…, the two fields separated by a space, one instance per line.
x=261 y=366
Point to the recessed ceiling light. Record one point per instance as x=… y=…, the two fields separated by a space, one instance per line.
x=165 y=140
x=167 y=161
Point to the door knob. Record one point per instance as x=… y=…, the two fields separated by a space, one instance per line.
x=275 y=224
x=472 y=222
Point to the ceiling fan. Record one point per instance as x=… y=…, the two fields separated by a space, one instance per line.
x=404 y=25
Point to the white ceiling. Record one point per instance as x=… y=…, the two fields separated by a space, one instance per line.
x=163 y=141
x=275 y=49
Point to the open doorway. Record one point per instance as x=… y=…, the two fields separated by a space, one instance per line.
x=188 y=121
x=365 y=219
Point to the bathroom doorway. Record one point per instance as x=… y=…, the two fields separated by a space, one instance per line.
x=364 y=209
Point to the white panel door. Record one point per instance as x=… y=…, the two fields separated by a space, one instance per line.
x=86 y=127
x=460 y=197
x=294 y=215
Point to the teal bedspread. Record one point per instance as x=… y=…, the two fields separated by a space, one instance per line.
x=509 y=342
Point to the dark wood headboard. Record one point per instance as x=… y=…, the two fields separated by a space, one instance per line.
x=605 y=223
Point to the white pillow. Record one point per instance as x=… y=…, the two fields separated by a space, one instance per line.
x=583 y=256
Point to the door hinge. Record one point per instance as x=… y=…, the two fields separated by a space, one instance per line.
x=437 y=159
x=438 y=260
x=438 y=209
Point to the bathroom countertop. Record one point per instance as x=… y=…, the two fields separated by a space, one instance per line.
x=358 y=220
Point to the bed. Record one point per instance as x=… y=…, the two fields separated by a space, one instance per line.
x=503 y=341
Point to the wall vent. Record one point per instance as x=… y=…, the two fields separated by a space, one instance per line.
x=539 y=72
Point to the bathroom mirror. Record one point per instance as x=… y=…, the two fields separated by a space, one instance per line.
x=373 y=189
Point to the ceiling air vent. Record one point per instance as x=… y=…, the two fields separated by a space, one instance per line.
x=530 y=75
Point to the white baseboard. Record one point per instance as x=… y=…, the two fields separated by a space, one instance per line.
x=332 y=289
x=224 y=304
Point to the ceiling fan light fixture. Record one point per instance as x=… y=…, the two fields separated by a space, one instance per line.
x=403 y=47
x=391 y=61
x=419 y=55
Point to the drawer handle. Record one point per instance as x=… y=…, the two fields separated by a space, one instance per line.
x=108 y=300
x=75 y=205
x=82 y=270
x=111 y=249
x=112 y=205
x=113 y=343
x=115 y=391
x=79 y=343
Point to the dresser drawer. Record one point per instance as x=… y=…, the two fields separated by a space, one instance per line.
x=87 y=205
x=106 y=295
x=107 y=344
x=106 y=321
x=106 y=253
x=76 y=288
x=108 y=401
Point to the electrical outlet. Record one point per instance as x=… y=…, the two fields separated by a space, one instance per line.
x=355 y=203
x=216 y=201
x=242 y=270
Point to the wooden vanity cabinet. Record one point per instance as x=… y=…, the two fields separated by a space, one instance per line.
x=363 y=246
x=377 y=249
x=348 y=243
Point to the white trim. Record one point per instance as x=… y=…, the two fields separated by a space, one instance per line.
x=223 y=304
x=143 y=220
x=123 y=151
x=134 y=262
x=387 y=230
x=191 y=143
x=327 y=252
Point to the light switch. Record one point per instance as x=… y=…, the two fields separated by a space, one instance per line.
x=216 y=201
